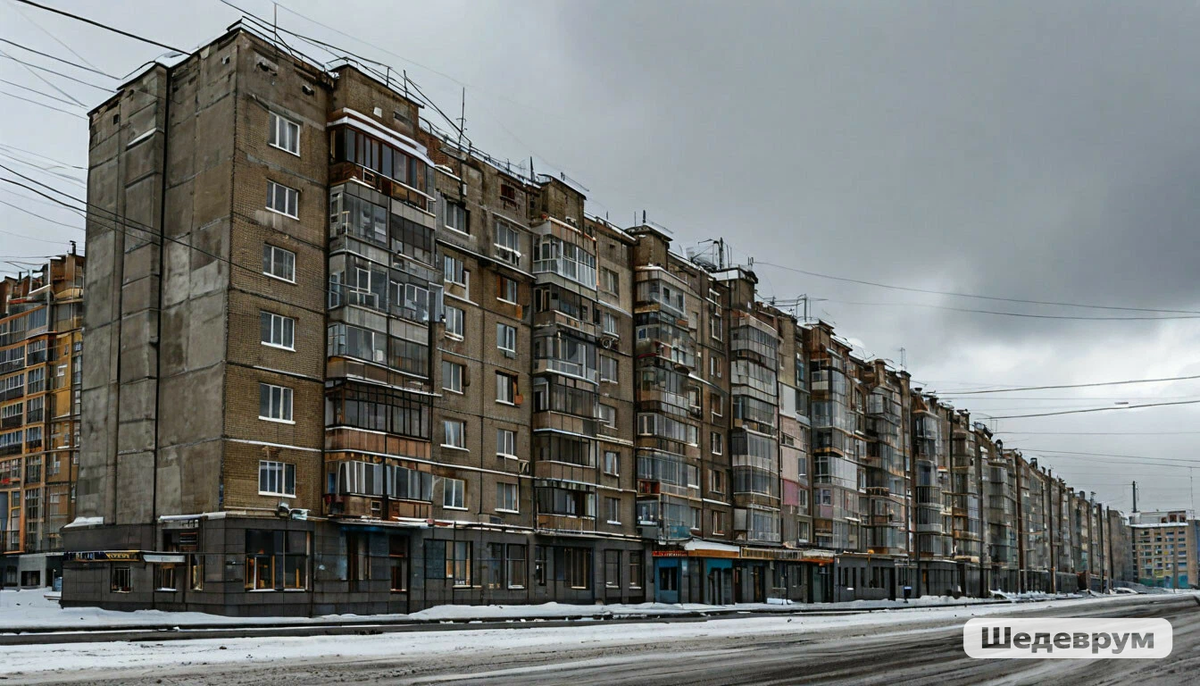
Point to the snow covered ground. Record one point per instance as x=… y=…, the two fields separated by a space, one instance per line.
x=55 y=662
x=31 y=609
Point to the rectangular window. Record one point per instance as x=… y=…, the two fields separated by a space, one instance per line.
x=454 y=434
x=276 y=560
x=458 y=562
x=279 y=263
x=398 y=562
x=456 y=217
x=577 y=567
x=283 y=200
x=608 y=368
x=454 y=321
x=506 y=497
x=454 y=494
x=716 y=481
x=507 y=290
x=165 y=577
x=454 y=271
x=609 y=281
x=612 y=510
x=514 y=564
x=284 y=134
x=277 y=331
x=122 y=580
x=716 y=327
x=718 y=443
x=608 y=323
x=506 y=443
x=506 y=388
x=507 y=239
x=276 y=478
x=452 y=376
x=612 y=568
x=506 y=338
x=274 y=403
x=612 y=461
x=636 y=569
x=607 y=414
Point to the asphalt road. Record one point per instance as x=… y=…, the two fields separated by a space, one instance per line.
x=910 y=653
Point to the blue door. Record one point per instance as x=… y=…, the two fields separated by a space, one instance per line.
x=667 y=575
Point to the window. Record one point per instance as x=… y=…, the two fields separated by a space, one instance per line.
x=506 y=443
x=697 y=518
x=283 y=200
x=608 y=323
x=274 y=403
x=574 y=565
x=164 y=577
x=716 y=327
x=506 y=338
x=718 y=443
x=612 y=510
x=454 y=494
x=612 y=568
x=718 y=523
x=506 y=289
x=284 y=134
x=612 y=461
x=716 y=480
x=506 y=388
x=714 y=366
x=607 y=414
x=122 y=580
x=279 y=263
x=276 y=560
x=636 y=569
x=609 y=281
x=456 y=217
x=398 y=562
x=37 y=380
x=453 y=270
x=454 y=434
x=277 y=331
x=514 y=565
x=458 y=564
x=454 y=321
x=452 y=376
x=276 y=478
x=608 y=368
x=507 y=239
x=506 y=497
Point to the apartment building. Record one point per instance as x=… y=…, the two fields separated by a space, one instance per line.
x=416 y=375
x=41 y=350
x=1164 y=548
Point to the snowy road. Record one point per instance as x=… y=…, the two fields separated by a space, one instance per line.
x=921 y=646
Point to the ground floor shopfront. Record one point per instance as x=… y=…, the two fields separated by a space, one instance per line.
x=719 y=574
x=248 y=566
x=30 y=570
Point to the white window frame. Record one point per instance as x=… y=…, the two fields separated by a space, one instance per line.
x=278 y=124
x=716 y=442
x=503 y=490
x=505 y=281
x=273 y=249
x=455 y=326
x=450 y=206
x=281 y=473
x=291 y=199
x=280 y=321
x=512 y=232
x=455 y=371
x=604 y=415
x=615 y=364
x=616 y=466
x=452 y=488
x=506 y=337
x=460 y=432
x=506 y=443
x=506 y=385
x=285 y=403
x=609 y=515
x=450 y=265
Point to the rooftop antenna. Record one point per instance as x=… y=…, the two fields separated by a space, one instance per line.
x=462 y=117
x=903 y=359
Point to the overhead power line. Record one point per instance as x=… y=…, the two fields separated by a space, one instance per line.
x=97 y=24
x=972 y=295
x=42 y=104
x=56 y=58
x=1099 y=433
x=1092 y=409
x=1077 y=385
x=1004 y=313
x=68 y=77
x=35 y=91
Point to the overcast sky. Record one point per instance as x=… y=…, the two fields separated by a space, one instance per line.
x=1042 y=151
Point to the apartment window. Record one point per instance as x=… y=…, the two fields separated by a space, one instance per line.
x=612 y=510
x=283 y=200
x=276 y=478
x=458 y=563
x=454 y=494
x=454 y=434
x=608 y=323
x=506 y=497
x=506 y=388
x=277 y=331
x=697 y=518
x=506 y=289
x=718 y=443
x=714 y=366
x=274 y=403
x=37 y=380
x=165 y=577
x=716 y=481
x=608 y=368
x=716 y=327
x=456 y=217
x=717 y=403
x=398 y=562
x=454 y=321
x=612 y=568
x=452 y=376
x=607 y=414
x=506 y=338
x=637 y=569
x=122 y=580
x=609 y=281
x=506 y=443
x=454 y=271
x=612 y=461
x=718 y=523
x=514 y=565
x=284 y=134
x=279 y=263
